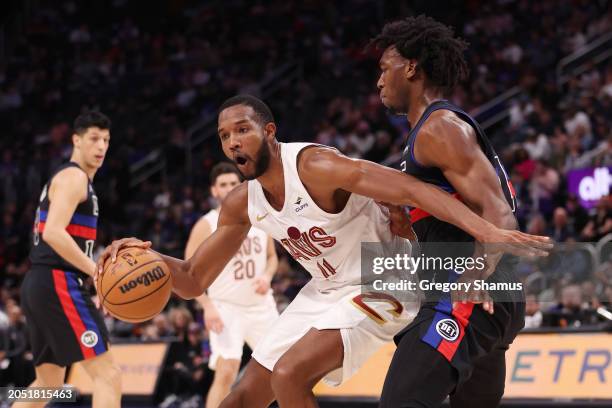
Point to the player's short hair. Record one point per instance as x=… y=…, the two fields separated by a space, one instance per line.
x=262 y=111
x=438 y=52
x=223 y=168
x=89 y=119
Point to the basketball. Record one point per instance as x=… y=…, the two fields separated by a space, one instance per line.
x=137 y=286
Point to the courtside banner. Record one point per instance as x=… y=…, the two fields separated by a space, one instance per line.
x=560 y=366
x=140 y=366
x=548 y=366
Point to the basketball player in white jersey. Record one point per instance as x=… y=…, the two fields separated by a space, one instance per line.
x=314 y=201
x=239 y=305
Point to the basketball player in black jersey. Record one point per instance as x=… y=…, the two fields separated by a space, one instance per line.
x=64 y=325
x=451 y=348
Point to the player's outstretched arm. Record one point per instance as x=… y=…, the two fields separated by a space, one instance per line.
x=193 y=276
x=392 y=186
x=68 y=188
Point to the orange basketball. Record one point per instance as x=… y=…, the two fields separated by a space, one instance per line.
x=137 y=286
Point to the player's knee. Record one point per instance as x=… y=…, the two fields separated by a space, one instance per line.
x=285 y=375
x=226 y=375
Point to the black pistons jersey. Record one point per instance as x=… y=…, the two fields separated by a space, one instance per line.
x=428 y=228
x=462 y=335
x=82 y=227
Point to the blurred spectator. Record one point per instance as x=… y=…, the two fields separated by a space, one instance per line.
x=537 y=146
x=600 y=224
x=381 y=147
x=577 y=216
x=607 y=296
x=570 y=311
x=537 y=225
x=589 y=295
x=186 y=376
x=163 y=326
x=544 y=186
x=180 y=318
x=16 y=367
x=560 y=230
x=361 y=139
x=525 y=166
x=533 y=314
x=150 y=333
x=577 y=122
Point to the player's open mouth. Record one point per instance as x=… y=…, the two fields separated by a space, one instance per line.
x=240 y=159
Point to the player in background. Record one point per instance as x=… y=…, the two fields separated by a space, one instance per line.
x=319 y=204
x=239 y=305
x=64 y=325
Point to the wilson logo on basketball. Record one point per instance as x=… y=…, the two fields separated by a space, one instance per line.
x=145 y=279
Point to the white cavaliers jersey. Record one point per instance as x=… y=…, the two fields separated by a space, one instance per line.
x=235 y=283
x=327 y=245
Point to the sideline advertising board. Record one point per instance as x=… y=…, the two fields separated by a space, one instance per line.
x=546 y=366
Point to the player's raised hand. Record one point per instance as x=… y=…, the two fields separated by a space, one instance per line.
x=261 y=284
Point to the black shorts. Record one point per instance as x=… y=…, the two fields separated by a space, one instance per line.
x=459 y=352
x=63 y=323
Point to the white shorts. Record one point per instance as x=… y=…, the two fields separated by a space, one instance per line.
x=240 y=324
x=365 y=323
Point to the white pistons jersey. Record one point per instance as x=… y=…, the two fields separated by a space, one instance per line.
x=235 y=283
x=327 y=245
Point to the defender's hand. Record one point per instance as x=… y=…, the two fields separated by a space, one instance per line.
x=400 y=222
x=472 y=295
x=516 y=243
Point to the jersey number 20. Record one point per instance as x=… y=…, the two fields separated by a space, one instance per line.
x=244 y=269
